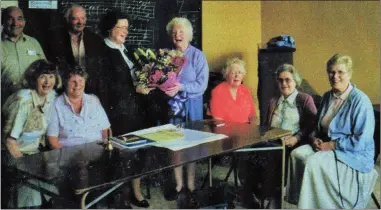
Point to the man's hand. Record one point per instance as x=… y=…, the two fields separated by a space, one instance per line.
x=325 y=146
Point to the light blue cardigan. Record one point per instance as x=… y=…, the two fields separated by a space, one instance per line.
x=352 y=129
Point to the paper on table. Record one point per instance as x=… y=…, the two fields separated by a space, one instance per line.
x=191 y=137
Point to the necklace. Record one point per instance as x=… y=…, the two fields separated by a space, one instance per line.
x=40 y=105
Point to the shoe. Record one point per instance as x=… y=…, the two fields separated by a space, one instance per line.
x=143 y=203
x=171 y=194
x=192 y=200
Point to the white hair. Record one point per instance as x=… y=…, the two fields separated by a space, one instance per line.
x=181 y=21
x=69 y=11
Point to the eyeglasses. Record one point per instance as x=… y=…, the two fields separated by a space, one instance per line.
x=124 y=28
x=287 y=80
x=340 y=73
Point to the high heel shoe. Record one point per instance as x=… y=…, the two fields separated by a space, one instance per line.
x=143 y=203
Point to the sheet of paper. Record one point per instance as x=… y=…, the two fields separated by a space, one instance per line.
x=191 y=137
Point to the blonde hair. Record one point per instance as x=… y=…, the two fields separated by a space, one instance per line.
x=292 y=70
x=341 y=59
x=230 y=62
x=181 y=21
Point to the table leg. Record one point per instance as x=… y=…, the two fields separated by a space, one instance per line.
x=283 y=169
x=83 y=203
x=210 y=172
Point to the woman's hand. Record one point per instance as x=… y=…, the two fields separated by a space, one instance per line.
x=325 y=146
x=290 y=141
x=172 y=91
x=13 y=147
x=316 y=143
x=143 y=90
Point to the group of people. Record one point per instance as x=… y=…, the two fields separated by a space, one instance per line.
x=100 y=98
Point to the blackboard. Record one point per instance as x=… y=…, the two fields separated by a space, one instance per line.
x=148 y=18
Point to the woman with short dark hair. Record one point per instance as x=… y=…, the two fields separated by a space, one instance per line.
x=26 y=114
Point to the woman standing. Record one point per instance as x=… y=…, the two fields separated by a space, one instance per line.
x=124 y=107
x=188 y=91
x=339 y=162
x=26 y=115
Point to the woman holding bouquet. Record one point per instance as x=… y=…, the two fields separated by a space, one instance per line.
x=122 y=104
x=187 y=93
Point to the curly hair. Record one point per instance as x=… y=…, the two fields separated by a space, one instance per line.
x=75 y=70
x=36 y=69
x=181 y=21
x=230 y=62
x=290 y=69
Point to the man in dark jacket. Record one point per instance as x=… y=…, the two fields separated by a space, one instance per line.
x=74 y=44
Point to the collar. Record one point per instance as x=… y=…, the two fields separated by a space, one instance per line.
x=345 y=94
x=67 y=101
x=80 y=35
x=290 y=99
x=112 y=45
x=22 y=37
x=35 y=98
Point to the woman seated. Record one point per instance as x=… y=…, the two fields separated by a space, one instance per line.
x=77 y=117
x=231 y=100
x=339 y=161
x=292 y=109
x=26 y=115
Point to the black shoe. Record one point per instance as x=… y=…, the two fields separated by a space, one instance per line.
x=171 y=195
x=143 y=203
x=192 y=200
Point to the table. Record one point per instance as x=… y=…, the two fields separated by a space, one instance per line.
x=88 y=167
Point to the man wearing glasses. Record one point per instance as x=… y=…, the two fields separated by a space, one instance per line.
x=74 y=44
x=18 y=51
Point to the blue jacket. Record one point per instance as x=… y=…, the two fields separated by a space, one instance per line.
x=352 y=129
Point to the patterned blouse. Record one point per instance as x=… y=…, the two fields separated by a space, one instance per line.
x=26 y=120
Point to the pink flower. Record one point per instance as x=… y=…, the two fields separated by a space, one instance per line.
x=172 y=79
x=154 y=78
x=179 y=61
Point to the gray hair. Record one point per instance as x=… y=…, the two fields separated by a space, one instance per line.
x=341 y=59
x=230 y=62
x=292 y=70
x=181 y=21
x=69 y=11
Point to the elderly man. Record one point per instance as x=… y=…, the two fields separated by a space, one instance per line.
x=18 y=51
x=74 y=44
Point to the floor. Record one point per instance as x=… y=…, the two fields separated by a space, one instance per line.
x=158 y=201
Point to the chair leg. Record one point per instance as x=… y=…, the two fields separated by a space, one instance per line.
x=375 y=200
x=148 y=188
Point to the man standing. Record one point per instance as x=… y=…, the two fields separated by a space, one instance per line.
x=18 y=51
x=74 y=44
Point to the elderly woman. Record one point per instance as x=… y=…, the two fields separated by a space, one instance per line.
x=231 y=100
x=188 y=92
x=123 y=105
x=26 y=115
x=338 y=164
x=77 y=118
x=292 y=110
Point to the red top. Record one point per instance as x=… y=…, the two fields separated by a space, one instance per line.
x=222 y=104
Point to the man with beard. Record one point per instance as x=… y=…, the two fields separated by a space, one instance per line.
x=74 y=44
x=18 y=51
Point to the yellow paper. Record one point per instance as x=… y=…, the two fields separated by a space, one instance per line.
x=164 y=135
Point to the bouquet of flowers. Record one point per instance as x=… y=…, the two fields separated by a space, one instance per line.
x=158 y=70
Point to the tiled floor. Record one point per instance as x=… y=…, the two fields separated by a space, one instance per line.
x=158 y=201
